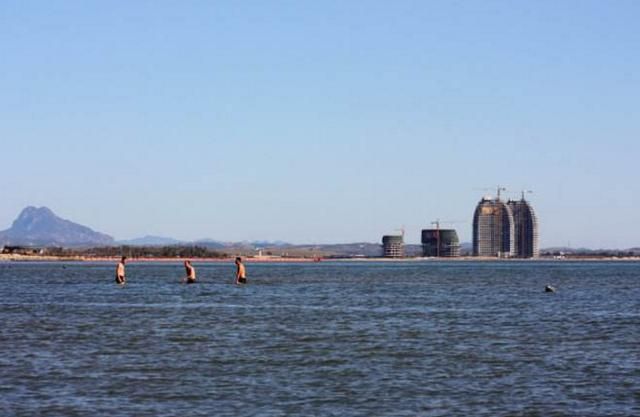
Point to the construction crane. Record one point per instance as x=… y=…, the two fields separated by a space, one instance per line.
x=498 y=189
x=437 y=224
x=523 y=192
x=401 y=230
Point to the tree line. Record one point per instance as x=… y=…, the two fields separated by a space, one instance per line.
x=139 y=252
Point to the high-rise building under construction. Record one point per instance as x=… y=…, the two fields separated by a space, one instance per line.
x=493 y=228
x=440 y=243
x=525 y=240
x=393 y=246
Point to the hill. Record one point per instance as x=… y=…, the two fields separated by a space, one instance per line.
x=150 y=240
x=39 y=226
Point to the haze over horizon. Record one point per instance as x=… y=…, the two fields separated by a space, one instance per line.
x=321 y=122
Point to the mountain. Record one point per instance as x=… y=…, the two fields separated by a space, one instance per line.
x=151 y=240
x=565 y=249
x=211 y=244
x=41 y=227
x=364 y=249
x=268 y=243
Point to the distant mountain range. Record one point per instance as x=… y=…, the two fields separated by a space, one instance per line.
x=39 y=226
x=150 y=240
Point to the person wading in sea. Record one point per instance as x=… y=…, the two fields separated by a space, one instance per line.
x=120 y=278
x=241 y=273
x=191 y=273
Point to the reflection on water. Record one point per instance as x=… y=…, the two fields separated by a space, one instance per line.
x=340 y=339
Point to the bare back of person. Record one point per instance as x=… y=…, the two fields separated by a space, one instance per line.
x=120 y=272
x=241 y=273
x=191 y=273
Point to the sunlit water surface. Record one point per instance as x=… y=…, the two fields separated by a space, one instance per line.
x=341 y=339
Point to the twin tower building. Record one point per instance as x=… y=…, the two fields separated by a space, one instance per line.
x=505 y=229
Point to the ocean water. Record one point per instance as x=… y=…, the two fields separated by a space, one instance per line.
x=325 y=339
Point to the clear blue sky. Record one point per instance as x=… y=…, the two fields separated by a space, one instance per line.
x=321 y=121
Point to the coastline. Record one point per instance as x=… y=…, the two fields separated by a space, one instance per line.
x=5 y=258
x=115 y=259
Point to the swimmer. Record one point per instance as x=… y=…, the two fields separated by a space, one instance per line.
x=191 y=273
x=120 y=278
x=241 y=273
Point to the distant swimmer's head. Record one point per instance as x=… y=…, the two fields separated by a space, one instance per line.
x=187 y=263
x=238 y=260
x=124 y=259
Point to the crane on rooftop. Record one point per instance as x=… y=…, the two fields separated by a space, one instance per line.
x=437 y=223
x=499 y=189
x=523 y=192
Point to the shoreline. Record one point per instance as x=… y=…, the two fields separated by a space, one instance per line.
x=111 y=259
x=5 y=258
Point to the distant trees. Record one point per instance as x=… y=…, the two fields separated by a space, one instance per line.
x=588 y=253
x=140 y=252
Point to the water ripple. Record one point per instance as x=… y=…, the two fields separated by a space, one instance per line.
x=429 y=339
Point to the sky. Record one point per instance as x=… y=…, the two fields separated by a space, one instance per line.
x=321 y=121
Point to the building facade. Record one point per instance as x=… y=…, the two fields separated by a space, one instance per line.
x=440 y=243
x=525 y=229
x=393 y=246
x=493 y=229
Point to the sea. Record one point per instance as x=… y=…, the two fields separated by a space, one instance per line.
x=413 y=338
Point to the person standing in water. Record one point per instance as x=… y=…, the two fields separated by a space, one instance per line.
x=241 y=273
x=120 y=278
x=191 y=273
